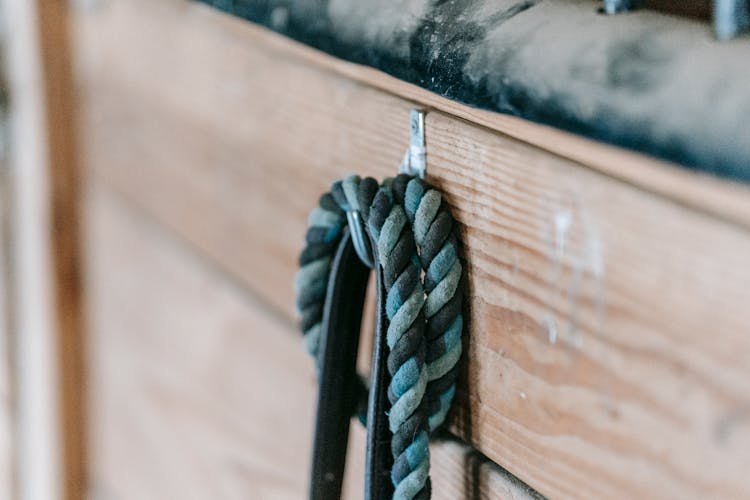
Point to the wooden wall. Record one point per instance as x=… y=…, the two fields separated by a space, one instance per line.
x=44 y=337
x=609 y=341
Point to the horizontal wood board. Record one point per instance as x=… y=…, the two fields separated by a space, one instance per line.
x=617 y=79
x=725 y=199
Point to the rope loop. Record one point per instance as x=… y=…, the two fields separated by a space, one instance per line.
x=411 y=227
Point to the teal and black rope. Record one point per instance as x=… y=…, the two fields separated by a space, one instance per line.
x=415 y=236
x=438 y=243
x=398 y=259
x=325 y=227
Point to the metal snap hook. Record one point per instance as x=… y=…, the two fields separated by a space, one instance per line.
x=359 y=238
x=414 y=162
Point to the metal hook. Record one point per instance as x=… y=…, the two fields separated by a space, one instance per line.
x=359 y=238
x=414 y=162
x=618 y=6
x=731 y=18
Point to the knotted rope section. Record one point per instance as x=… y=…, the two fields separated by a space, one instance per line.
x=417 y=249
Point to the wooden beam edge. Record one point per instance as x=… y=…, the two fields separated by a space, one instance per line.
x=65 y=236
x=725 y=199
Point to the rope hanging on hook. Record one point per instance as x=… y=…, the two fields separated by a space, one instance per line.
x=417 y=250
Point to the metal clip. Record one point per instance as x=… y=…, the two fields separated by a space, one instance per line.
x=618 y=6
x=414 y=162
x=359 y=238
x=731 y=18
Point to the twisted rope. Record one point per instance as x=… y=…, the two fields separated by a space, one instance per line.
x=414 y=233
x=435 y=235
x=325 y=227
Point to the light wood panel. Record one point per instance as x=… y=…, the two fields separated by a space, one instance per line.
x=60 y=107
x=45 y=315
x=199 y=392
x=610 y=340
x=725 y=199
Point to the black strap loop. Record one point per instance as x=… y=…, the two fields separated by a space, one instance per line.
x=379 y=459
x=337 y=394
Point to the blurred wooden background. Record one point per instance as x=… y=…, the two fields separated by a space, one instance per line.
x=610 y=336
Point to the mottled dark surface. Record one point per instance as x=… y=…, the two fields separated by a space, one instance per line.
x=641 y=80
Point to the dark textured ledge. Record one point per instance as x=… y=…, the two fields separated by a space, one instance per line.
x=644 y=81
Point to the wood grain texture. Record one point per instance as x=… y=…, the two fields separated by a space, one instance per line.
x=45 y=312
x=610 y=339
x=725 y=199
x=64 y=190
x=619 y=79
x=200 y=392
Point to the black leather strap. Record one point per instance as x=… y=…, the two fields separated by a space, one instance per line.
x=379 y=460
x=338 y=382
x=337 y=392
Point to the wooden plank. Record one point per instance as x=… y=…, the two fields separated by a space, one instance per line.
x=200 y=392
x=609 y=334
x=45 y=286
x=722 y=198
x=726 y=199
x=62 y=151
x=526 y=59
